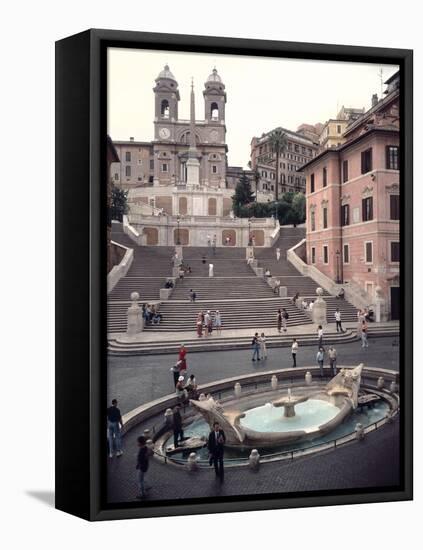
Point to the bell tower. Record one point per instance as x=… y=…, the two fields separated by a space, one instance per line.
x=214 y=99
x=166 y=101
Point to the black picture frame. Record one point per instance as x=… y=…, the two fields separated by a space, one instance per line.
x=81 y=341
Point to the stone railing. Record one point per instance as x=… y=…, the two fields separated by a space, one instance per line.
x=353 y=292
x=132 y=233
x=121 y=269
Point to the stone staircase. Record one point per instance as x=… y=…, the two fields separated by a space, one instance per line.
x=148 y=272
x=244 y=300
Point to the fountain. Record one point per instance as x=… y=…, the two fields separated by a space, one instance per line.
x=314 y=412
x=288 y=403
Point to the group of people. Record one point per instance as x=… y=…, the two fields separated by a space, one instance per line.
x=151 y=314
x=320 y=358
x=184 y=269
x=207 y=322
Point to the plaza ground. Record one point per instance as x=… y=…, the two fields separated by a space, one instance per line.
x=373 y=462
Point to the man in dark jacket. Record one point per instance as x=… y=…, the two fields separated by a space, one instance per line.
x=216 y=447
x=114 y=425
x=142 y=465
x=178 y=432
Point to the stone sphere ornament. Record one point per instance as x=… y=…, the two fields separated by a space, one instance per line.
x=274 y=382
x=237 y=389
x=380 y=383
x=308 y=378
x=192 y=462
x=254 y=459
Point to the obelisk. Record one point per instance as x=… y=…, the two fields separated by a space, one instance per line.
x=193 y=164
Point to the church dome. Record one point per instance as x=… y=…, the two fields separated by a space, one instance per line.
x=214 y=77
x=166 y=73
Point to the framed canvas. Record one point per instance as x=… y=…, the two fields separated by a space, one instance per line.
x=233 y=220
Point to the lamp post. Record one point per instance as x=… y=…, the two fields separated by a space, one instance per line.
x=178 y=240
x=338 y=254
x=249 y=232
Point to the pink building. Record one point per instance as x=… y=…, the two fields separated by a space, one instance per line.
x=353 y=208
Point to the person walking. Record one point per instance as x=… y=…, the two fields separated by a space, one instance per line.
x=279 y=320
x=178 y=433
x=191 y=295
x=263 y=347
x=214 y=244
x=320 y=336
x=285 y=318
x=142 y=465
x=278 y=254
x=182 y=357
x=338 y=320
x=114 y=425
x=211 y=270
x=294 y=349
x=256 y=347
x=216 y=446
x=320 y=357
x=364 y=335
x=332 y=359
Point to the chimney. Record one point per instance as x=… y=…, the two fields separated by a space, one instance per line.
x=374 y=100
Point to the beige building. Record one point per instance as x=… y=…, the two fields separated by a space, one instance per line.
x=332 y=133
x=299 y=150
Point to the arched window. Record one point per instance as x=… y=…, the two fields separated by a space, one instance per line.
x=214 y=111
x=164 y=108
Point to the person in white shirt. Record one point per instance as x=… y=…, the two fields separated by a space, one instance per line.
x=294 y=349
x=310 y=305
x=338 y=321
x=332 y=359
x=304 y=304
x=278 y=254
x=263 y=348
x=211 y=268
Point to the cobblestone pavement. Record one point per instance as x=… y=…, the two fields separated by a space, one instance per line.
x=138 y=379
x=373 y=462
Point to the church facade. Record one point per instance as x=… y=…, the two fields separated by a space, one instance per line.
x=180 y=185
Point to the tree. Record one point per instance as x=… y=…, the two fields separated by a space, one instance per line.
x=278 y=142
x=118 y=203
x=299 y=207
x=243 y=194
x=256 y=177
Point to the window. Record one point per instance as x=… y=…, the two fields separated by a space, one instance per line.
x=313 y=220
x=367 y=209
x=312 y=183
x=164 y=167
x=151 y=164
x=368 y=252
x=325 y=218
x=325 y=254
x=116 y=176
x=128 y=171
x=338 y=128
x=128 y=156
x=139 y=162
x=325 y=176
x=345 y=214
x=366 y=161
x=214 y=111
x=395 y=251
x=313 y=255
x=346 y=253
x=214 y=169
x=344 y=171
x=392 y=157
x=394 y=207
x=164 y=109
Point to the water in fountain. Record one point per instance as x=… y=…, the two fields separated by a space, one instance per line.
x=309 y=415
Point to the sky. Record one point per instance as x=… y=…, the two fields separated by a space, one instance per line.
x=262 y=93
